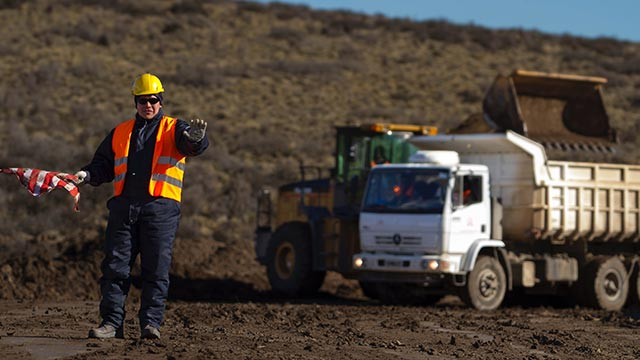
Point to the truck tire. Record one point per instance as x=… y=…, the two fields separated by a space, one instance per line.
x=289 y=264
x=634 y=287
x=605 y=283
x=486 y=284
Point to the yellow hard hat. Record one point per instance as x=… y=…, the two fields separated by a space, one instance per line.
x=146 y=84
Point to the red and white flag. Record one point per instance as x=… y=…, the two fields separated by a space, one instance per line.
x=40 y=182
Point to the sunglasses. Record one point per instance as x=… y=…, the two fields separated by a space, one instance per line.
x=152 y=101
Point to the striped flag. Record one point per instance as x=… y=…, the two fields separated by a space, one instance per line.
x=40 y=182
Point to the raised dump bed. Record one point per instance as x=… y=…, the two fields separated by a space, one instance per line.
x=559 y=111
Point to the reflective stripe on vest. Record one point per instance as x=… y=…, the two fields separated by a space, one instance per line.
x=167 y=169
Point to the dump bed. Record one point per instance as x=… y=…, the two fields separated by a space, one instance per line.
x=553 y=200
x=559 y=111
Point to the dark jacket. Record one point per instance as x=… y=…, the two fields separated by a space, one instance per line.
x=143 y=140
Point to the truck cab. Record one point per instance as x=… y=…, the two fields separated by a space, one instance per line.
x=421 y=224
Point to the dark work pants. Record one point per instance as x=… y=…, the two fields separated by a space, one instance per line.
x=134 y=228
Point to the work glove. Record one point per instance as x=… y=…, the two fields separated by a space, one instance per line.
x=82 y=177
x=79 y=178
x=196 y=130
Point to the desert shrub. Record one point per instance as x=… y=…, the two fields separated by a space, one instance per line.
x=9 y=4
x=395 y=25
x=532 y=40
x=492 y=40
x=402 y=94
x=48 y=73
x=265 y=142
x=237 y=196
x=345 y=23
x=198 y=73
x=135 y=8
x=224 y=161
x=89 y=67
x=310 y=67
x=292 y=36
x=634 y=98
x=251 y=7
x=89 y=31
x=287 y=11
x=372 y=112
x=470 y=96
x=573 y=55
x=348 y=52
x=187 y=7
x=628 y=65
x=603 y=46
x=631 y=132
x=439 y=30
x=171 y=27
x=614 y=78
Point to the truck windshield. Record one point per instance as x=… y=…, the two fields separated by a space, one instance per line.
x=406 y=191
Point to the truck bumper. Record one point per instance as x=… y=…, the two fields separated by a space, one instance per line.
x=408 y=264
x=431 y=280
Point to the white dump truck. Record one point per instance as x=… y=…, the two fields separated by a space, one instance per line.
x=484 y=215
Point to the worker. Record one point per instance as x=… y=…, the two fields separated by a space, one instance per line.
x=378 y=156
x=145 y=158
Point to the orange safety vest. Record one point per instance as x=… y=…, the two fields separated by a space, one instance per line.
x=167 y=169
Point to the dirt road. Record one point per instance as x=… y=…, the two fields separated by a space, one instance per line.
x=339 y=323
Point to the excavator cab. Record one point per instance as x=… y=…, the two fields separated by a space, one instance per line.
x=560 y=111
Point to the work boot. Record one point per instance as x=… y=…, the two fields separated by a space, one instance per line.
x=106 y=331
x=150 y=332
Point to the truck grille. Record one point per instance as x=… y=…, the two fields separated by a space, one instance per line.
x=406 y=240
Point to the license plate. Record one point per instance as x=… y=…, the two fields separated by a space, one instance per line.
x=394 y=263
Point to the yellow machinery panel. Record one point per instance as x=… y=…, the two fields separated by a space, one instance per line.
x=289 y=205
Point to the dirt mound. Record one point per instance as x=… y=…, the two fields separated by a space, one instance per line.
x=50 y=266
x=53 y=266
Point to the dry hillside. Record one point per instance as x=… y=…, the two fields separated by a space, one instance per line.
x=272 y=81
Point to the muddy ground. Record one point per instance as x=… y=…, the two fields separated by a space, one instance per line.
x=338 y=323
x=220 y=307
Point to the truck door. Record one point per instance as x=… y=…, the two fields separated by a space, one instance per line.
x=470 y=212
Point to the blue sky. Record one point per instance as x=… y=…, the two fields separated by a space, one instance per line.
x=619 y=19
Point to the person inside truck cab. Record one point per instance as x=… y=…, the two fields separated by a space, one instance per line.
x=425 y=194
x=379 y=156
x=471 y=190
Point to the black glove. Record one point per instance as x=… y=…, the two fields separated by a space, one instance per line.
x=196 y=130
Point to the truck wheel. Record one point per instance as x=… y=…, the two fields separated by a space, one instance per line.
x=486 y=284
x=289 y=266
x=606 y=286
x=369 y=289
x=634 y=288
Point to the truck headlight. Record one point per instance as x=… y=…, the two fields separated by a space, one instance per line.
x=432 y=265
x=359 y=263
x=448 y=266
